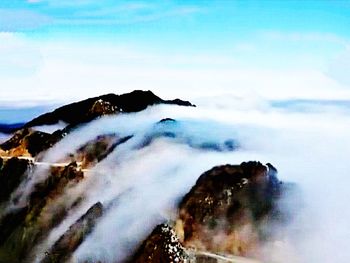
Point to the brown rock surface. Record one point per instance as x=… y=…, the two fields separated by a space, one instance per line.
x=223 y=211
x=161 y=246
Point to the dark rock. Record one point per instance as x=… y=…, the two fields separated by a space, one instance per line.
x=80 y=112
x=26 y=141
x=10 y=221
x=161 y=246
x=15 y=140
x=10 y=128
x=55 y=183
x=12 y=173
x=75 y=235
x=36 y=142
x=98 y=149
x=167 y=120
x=22 y=228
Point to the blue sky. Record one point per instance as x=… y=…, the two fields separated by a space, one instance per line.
x=185 y=39
x=176 y=23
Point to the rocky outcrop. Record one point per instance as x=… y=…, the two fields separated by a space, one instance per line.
x=224 y=210
x=15 y=140
x=97 y=149
x=162 y=246
x=12 y=173
x=29 y=142
x=26 y=142
x=64 y=247
x=21 y=228
x=178 y=131
x=101 y=108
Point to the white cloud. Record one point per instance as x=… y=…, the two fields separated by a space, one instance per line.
x=18 y=55
x=339 y=67
x=65 y=71
x=304 y=37
x=304 y=147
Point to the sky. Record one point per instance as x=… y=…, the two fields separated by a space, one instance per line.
x=228 y=55
x=53 y=51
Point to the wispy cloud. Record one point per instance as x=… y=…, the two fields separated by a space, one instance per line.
x=339 y=68
x=36 y=13
x=304 y=36
x=128 y=14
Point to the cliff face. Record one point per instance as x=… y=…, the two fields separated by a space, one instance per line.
x=225 y=212
x=12 y=173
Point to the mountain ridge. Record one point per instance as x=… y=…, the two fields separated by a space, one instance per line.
x=75 y=113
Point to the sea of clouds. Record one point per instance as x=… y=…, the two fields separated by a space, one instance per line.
x=142 y=185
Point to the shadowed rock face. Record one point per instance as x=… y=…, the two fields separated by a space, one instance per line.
x=10 y=128
x=223 y=211
x=62 y=250
x=86 y=110
x=161 y=246
x=12 y=173
x=23 y=227
x=29 y=142
x=15 y=140
x=97 y=149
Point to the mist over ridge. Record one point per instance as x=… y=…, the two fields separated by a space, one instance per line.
x=156 y=155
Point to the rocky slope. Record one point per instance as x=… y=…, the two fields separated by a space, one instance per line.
x=225 y=212
x=228 y=211
x=28 y=141
x=86 y=110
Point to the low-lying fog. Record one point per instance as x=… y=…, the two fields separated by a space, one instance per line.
x=309 y=148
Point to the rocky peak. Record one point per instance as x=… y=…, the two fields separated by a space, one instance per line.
x=101 y=108
x=78 y=112
x=162 y=245
x=222 y=212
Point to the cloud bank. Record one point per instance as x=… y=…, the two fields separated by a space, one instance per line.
x=141 y=186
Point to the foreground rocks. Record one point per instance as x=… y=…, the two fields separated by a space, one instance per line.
x=75 y=235
x=12 y=172
x=225 y=212
x=28 y=222
x=224 y=209
x=162 y=245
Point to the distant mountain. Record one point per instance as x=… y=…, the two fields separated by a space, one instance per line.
x=86 y=110
x=10 y=128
